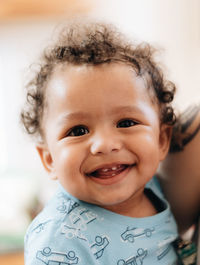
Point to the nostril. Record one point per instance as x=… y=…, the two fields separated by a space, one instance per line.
x=104 y=141
x=105 y=147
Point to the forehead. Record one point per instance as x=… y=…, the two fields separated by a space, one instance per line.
x=116 y=75
x=86 y=86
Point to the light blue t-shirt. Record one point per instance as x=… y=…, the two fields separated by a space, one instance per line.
x=69 y=231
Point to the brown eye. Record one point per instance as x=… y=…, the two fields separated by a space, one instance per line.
x=78 y=131
x=126 y=123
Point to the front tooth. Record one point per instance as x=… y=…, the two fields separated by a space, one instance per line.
x=105 y=169
x=114 y=168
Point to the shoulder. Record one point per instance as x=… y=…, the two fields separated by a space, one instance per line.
x=55 y=234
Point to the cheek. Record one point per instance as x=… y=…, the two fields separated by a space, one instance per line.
x=146 y=148
x=146 y=142
x=68 y=160
x=67 y=169
x=150 y=149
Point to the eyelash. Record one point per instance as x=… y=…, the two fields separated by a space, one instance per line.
x=81 y=130
x=127 y=123
x=77 y=131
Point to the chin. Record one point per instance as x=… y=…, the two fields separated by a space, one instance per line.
x=111 y=201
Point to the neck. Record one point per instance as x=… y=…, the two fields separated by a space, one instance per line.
x=139 y=206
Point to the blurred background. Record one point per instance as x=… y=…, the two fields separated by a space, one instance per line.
x=26 y=26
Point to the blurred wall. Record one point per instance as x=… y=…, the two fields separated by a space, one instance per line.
x=174 y=26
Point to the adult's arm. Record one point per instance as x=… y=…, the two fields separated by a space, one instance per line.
x=180 y=171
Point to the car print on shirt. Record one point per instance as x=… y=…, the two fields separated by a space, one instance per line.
x=99 y=246
x=71 y=232
x=131 y=233
x=77 y=222
x=41 y=227
x=55 y=258
x=135 y=260
x=67 y=206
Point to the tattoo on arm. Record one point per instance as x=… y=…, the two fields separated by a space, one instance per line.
x=181 y=134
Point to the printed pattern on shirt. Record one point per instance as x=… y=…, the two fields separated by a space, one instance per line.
x=71 y=224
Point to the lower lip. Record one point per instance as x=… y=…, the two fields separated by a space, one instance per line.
x=113 y=179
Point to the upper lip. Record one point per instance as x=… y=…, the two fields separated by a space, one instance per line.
x=109 y=166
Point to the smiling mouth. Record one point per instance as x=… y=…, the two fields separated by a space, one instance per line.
x=109 y=172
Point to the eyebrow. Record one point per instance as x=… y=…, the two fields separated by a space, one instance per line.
x=79 y=115
x=74 y=116
x=131 y=109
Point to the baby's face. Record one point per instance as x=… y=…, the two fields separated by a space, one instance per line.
x=102 y=133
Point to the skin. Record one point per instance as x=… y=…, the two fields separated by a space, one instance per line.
x=179 y=175
x=102 y=136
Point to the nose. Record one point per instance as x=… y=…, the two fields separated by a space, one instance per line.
x=105 y=142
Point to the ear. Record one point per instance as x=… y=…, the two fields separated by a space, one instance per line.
x=46 y=159
x=164 y=140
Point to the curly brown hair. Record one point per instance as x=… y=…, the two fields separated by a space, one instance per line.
x=95 y=44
